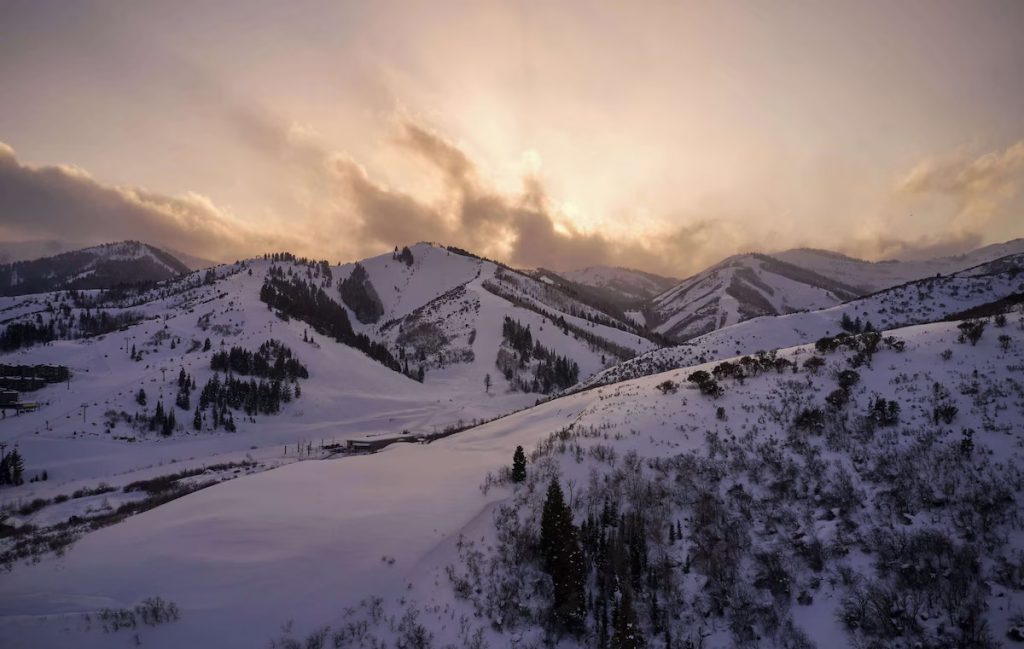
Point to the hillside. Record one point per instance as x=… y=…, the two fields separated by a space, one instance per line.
x=102 y=266
x=627 y=282
x=922 y=301
x=443 y=314
x=789 y=515
x=737 y=289
x=874 y=276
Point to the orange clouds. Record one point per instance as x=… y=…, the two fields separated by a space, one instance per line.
x=67 y=203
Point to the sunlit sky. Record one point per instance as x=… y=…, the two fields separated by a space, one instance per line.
x=659 y=135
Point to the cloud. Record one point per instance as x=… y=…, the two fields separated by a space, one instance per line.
x=881 y=246
x=980 y=187
x=340 y=210
x=63 y=202
x=521 y=228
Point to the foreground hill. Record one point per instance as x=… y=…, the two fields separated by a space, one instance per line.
x=104 y=266
x=778 y=510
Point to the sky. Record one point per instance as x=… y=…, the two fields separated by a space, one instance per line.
x=658 y=135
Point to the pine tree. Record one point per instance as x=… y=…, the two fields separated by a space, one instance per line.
x=518 y=465
x=627 y=634
x=487 y=383
x=183 y=400
x=197 y=420
x=563 y=561
x=17 y=467
x=140 y=397
x=550 y=521
x=169 y=424
x=206 y=345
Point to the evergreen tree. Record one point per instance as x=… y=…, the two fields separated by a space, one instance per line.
x=197 y=420
x=563 y=561
x=627 y=634
x=518 y=465
x=487 y=383
x=183 y=400
x=17 y=467
x=140 y=397
x=168 y=424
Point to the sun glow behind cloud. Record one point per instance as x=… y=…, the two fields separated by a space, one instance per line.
x=658 y=135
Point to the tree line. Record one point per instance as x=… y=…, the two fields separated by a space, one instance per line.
x=550 y=370
x=273 y=360
x=296 y=298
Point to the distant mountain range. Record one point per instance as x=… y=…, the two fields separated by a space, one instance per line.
x=752 y=285
x=628 y=282
x=103 y=266
x=736 y=289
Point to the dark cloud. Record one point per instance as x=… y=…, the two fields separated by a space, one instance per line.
x=58 y=202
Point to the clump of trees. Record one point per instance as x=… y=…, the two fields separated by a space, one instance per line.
x=706 y=384
x=296 y=298
x=358 y=294
x=855 y=325
x=273 y=360
x=405 y=256
x=163 y=420
x=531 y=367
x=12 y=468
x=25 y=334
x=971 y=331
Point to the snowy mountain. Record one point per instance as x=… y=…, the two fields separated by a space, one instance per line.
x=12 y=251
x=441 y=316
x=101 y=266
x=626 y=282
x=874 y=276
x=206 y=475
x=737 y=289
x=982 y=290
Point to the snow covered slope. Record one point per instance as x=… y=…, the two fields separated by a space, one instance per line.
x=922 y=301
x=445 y=308
x=627 y=282
x=444 y=313
x=788 y=516
x=737 y=289
x=875 y=276
x=102 y=266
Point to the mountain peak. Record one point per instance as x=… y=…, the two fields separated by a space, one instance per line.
x=100 y=266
